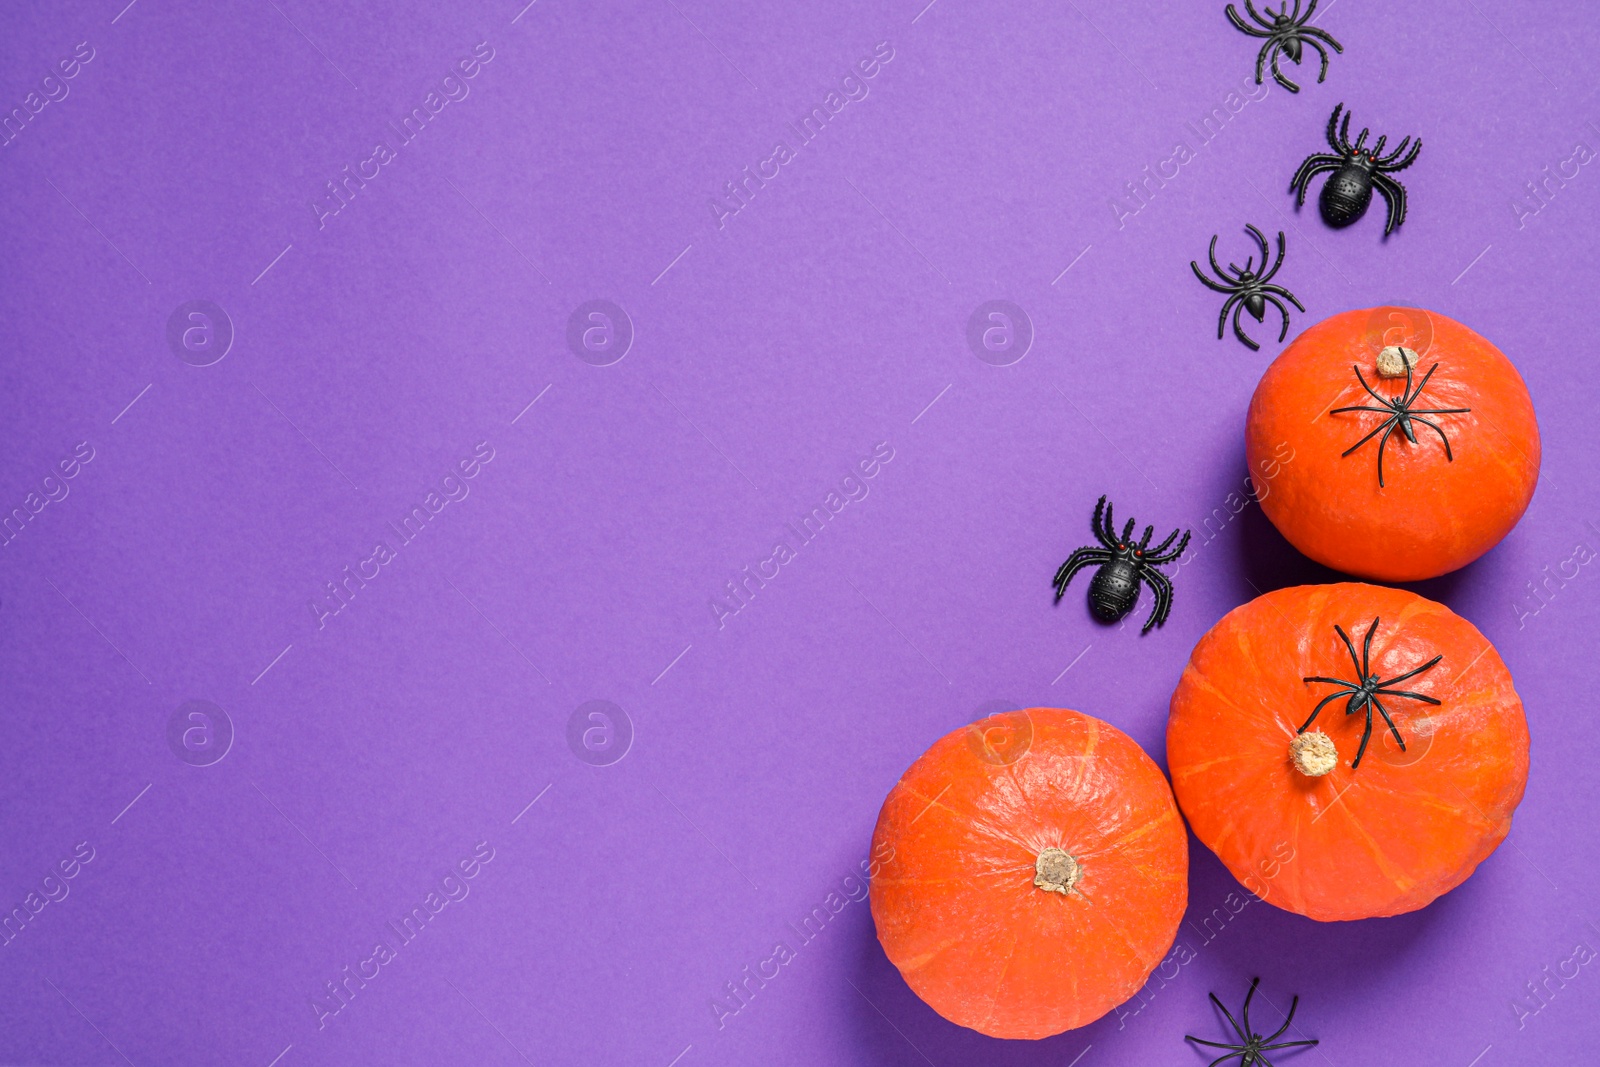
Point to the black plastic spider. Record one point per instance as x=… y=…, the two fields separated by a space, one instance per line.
x=1252 y=291
x=1123 y=563
x=1284 y=31
x=1357 y=171
x=1400 y=415
x=1364 y=694
x=1250 y=1052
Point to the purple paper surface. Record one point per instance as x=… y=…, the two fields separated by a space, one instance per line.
x=384 y=387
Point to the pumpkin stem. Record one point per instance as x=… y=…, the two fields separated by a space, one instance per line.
x=1393 y=361
x=1056 y=872
x=1313 y=754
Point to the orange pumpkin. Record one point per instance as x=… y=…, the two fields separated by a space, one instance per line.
x=1036 y=871
x=1457 y=472
x=1277 y=792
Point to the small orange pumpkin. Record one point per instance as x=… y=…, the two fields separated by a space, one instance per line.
x=1456 y=473
x=1270 y=719
x=1035 y=873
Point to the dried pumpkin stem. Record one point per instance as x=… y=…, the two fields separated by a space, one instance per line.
x=1056 y=872
x=1313 y=754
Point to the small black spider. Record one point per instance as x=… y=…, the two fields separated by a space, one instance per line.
x=1250 y=1053
x=1401 y=415
x=1252 y=291
x=1364 y=694
x=1284 y=31
x=1123 y=563
x=1357 y=171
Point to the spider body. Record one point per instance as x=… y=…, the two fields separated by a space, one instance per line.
x=1250 y=1052
x=1357 y=171
x=1362 y=695
x=1124 y=564
x=1402 y=415
x=1247 y=289
x=1285 y=32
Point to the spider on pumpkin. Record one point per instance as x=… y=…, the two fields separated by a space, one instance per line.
x=1285 y=31
x=1250 y=1053
x=1364 y=694
x=1400 y=414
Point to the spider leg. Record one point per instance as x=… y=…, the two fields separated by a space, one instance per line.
x=1438 y=430
x=1145 y=540
x=1366 y=735
x=1281 y=291
x=1361 y=675
x=1392 y=727
x=1127 y=532
x=1387 y=424
x=1159 y=557
x=1080 y=559
x=1296 y=16
x=1102 y=530
x=1344 y=134
x=1282 y=249
x=1377 y=149
x=1207 y=282
x=1288 y=1044
x=1312 y=166
x=1240 y=24
x=1213 y=1044
x=1222 y=319
x=1162 y=547
x=1363 y=138
x=1425 y=698
x=1439 y=411
x=1261 y=242
x=1278 y=75
x=1394 y=197
x=1324 y=701
x=1312 y=32
x=1333 y=124
x=1248 y=6
x=1242 y=1035
x=1287 y=1020
x=1363 y=407
x=1246 y=1010
x=1379 y=397
x=1213 y=254
x=1239 y=331
x=1384 y=440
x=1414 y=672
x=1366 y=648
x=1163 y=590
x=1275 y=302
x=1408 y=160
x=1412 y=395
x=1399 y=151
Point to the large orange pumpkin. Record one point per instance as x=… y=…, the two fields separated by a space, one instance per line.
x=1277 y=795
x=1446 y=497
x=1036 y=871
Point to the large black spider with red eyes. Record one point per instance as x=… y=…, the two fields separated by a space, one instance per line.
x=1285 y=32
x=1248 y=290
x=1123 y=563
x=1357 y=170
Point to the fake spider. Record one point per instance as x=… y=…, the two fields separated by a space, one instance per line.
x=1357 y=171
x=1123 y=564
x=1364 y=694
x=1251 y=291
x=1285 y=31
x=1401 y=415
x=1250 y=1053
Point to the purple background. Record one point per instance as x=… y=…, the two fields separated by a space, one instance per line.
x=374 y=351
